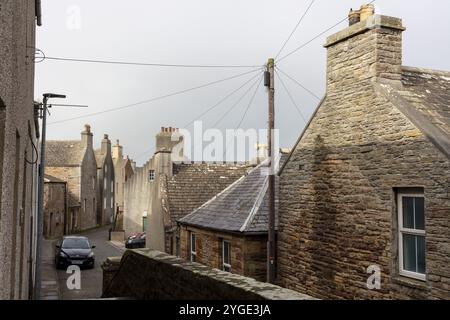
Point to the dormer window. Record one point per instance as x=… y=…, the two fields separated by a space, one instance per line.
x=151 y=175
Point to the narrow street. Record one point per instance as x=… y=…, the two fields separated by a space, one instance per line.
x=91 y=279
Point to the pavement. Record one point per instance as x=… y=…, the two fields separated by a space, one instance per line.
x=91 y=279
x=49 y=280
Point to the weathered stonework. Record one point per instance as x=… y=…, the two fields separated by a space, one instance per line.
x=74 y=162
x=152 y=275
x=18 y=132
x=248 y=253
x=338 y=190
x=106 y=207
x=55 y=208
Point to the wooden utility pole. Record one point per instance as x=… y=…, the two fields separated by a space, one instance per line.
x=271 y=247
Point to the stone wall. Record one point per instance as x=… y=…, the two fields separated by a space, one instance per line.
x=54 y=209
x=337 y=192
x=72 y=176
x=248 y=253
x=88 y=188
x=18 y=133
x=152 y=275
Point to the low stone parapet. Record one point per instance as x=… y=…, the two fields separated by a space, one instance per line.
x=149 y=274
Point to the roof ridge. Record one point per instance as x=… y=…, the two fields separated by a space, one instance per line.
x=222 y=192
x=256 y=205
x=425 y=70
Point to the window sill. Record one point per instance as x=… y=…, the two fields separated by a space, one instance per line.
x=410 y=282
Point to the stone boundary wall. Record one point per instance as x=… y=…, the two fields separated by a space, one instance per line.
x=147 y=274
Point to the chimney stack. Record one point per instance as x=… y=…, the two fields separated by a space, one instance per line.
x=363 y=52
x=117 y=152
x=86 y=137
x=106 y=145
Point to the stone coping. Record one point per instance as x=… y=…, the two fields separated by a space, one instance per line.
x=373 y=22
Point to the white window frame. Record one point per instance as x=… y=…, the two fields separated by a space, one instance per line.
x=192 y=238
x=226 y=265
x=401 y=231
x=151 y=175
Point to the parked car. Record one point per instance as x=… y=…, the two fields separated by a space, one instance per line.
x=135 y=241
x=74 y=251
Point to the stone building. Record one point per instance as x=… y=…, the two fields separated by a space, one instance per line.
x=19 y=160
x=164 y=190
x=105 y=183
x=123 y=170
x=55 y=207
x=74 y=162
x=229 y=232
x=367 y=186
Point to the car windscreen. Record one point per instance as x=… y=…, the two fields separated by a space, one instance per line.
x=75 y=244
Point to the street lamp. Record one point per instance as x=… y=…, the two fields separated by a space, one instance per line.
x=40 y=215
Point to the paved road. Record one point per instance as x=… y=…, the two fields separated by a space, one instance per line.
x=91 y=279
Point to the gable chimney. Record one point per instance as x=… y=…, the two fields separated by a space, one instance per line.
x=106 y=145
x=366 y=50
x=117 y=151
x=86 y=137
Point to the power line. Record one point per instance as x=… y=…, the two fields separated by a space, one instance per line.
x=245 y=113
x=234 y=105
x=220 y=101
x=144 y=64
x=249 y=104
x=295 y=29
x=299 y=84
x=290 y=97
x=156 y=98
x=208 y=110
x=316 y=37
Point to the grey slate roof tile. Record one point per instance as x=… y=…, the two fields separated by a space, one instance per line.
x=63 y=153
x=242 y=207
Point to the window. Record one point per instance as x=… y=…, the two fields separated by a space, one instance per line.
x=84 y=205
x=93 y=183
x=112 y=187
x=106 y=169
x=104 y=183
x=104 y=202
x=151 y=175
x=411 y=217
x=226 y=256
x=112 y=202
x=193 y=247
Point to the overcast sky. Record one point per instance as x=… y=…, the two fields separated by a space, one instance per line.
x=205 y=32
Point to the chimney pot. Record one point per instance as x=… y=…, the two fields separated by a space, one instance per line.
x=105 y=136
x=366 y=11
x=354 y=17
x=87 y=128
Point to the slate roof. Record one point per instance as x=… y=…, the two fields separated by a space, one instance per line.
x=242 y=207
x=424 y=98
x=194 y=184
x=63 y=153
